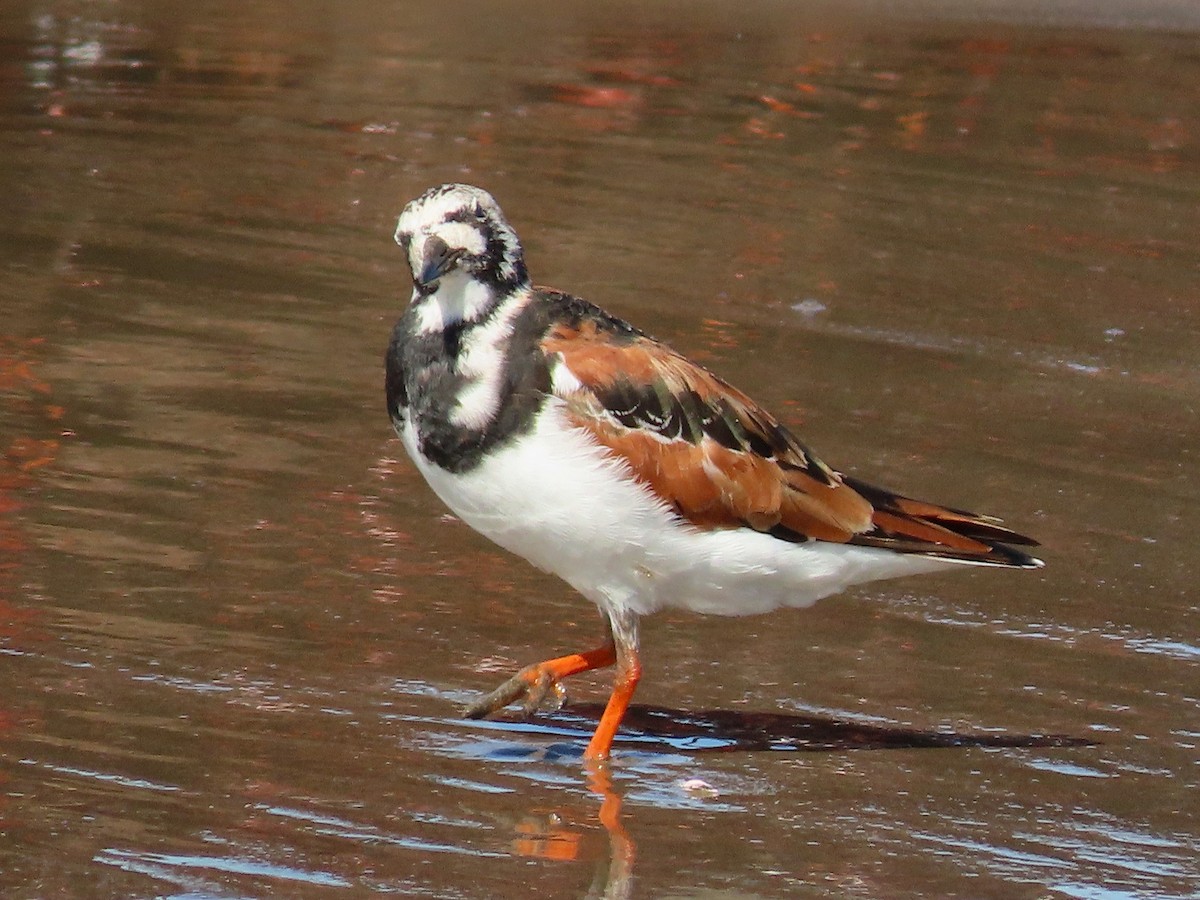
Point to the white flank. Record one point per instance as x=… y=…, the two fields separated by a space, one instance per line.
x=570 y=507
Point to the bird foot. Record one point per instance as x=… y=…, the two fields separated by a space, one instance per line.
x=537 y=684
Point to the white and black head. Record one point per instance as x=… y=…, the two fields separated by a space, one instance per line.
x=457 y=231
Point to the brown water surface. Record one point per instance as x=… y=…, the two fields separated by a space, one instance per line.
x=957 y=252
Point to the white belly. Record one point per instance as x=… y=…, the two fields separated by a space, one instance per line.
x=561 y=501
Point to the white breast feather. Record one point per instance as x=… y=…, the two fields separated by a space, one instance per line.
x=481 y=363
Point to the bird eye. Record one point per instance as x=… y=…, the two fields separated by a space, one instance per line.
x=479 y=214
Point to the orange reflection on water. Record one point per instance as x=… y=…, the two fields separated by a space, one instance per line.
x=622 y=850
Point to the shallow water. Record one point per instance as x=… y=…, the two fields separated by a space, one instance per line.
x=956 y=252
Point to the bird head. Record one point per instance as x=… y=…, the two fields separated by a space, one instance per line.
x=458 y=231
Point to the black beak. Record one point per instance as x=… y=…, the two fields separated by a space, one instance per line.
x=438 y=260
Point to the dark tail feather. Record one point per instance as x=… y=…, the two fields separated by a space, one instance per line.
x=914 y=526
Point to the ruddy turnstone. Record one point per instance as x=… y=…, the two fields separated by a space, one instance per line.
x=643 y=480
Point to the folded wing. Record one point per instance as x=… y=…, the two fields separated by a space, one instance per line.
x=721 y=461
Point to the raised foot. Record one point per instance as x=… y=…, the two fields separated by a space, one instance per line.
x=535 y=683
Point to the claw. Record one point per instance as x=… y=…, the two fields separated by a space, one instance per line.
x=533 y=683
x=538 y=689
x=540 y=684
x=547 y=693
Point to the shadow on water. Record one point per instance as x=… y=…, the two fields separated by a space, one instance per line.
x=658 y=728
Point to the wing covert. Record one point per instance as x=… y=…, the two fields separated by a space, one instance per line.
x=701 y=445
x=721 y=461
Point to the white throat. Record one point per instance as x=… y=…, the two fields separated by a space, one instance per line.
x=458 y=298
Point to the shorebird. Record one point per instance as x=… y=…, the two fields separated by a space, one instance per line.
x=640 y=478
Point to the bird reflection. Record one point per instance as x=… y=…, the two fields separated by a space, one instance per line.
x=651 y=729
x=551 y=837
x=617 y=881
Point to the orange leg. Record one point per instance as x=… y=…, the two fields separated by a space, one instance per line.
x=629 y=671
x=534 y=682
